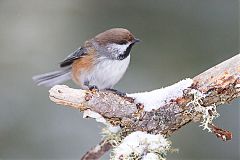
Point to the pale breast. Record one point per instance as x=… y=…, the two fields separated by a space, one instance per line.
x=106 y=73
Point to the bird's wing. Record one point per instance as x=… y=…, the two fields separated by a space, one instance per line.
x=80 y=52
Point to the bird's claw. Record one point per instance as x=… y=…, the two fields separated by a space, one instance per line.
x=121 y=94
x=93 y=88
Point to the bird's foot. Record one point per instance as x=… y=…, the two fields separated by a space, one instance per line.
x=121 y=94
x=93 y=88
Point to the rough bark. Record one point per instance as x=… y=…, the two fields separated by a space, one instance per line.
x=97 y=151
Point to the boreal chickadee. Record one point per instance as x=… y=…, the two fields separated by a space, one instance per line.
x=100 y=63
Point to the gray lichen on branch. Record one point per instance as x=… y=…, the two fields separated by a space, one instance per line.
x=161 y=111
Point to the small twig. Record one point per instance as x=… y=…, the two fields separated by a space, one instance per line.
x=97 y=151
x=225 y=135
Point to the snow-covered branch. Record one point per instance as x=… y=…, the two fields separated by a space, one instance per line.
x=160 y=112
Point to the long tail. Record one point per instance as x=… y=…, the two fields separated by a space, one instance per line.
x=52 y=78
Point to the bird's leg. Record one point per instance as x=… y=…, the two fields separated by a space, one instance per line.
x=122 y=94
x=93 y=88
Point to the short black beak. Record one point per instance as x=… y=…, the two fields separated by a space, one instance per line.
x=135 y=40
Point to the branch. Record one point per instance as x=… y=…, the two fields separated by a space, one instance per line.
x=162 y=111
x=97 y=151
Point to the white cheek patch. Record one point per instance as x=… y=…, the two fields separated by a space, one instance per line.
x=117 y=49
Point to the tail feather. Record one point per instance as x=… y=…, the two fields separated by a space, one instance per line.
x=52 y=78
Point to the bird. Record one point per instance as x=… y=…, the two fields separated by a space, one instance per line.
x=99 y=64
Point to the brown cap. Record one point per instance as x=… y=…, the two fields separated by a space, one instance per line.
x=115 y=35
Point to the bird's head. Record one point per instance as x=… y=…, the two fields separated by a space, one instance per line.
x=115 y=43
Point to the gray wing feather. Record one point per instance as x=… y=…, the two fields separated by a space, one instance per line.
x=80 y=52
